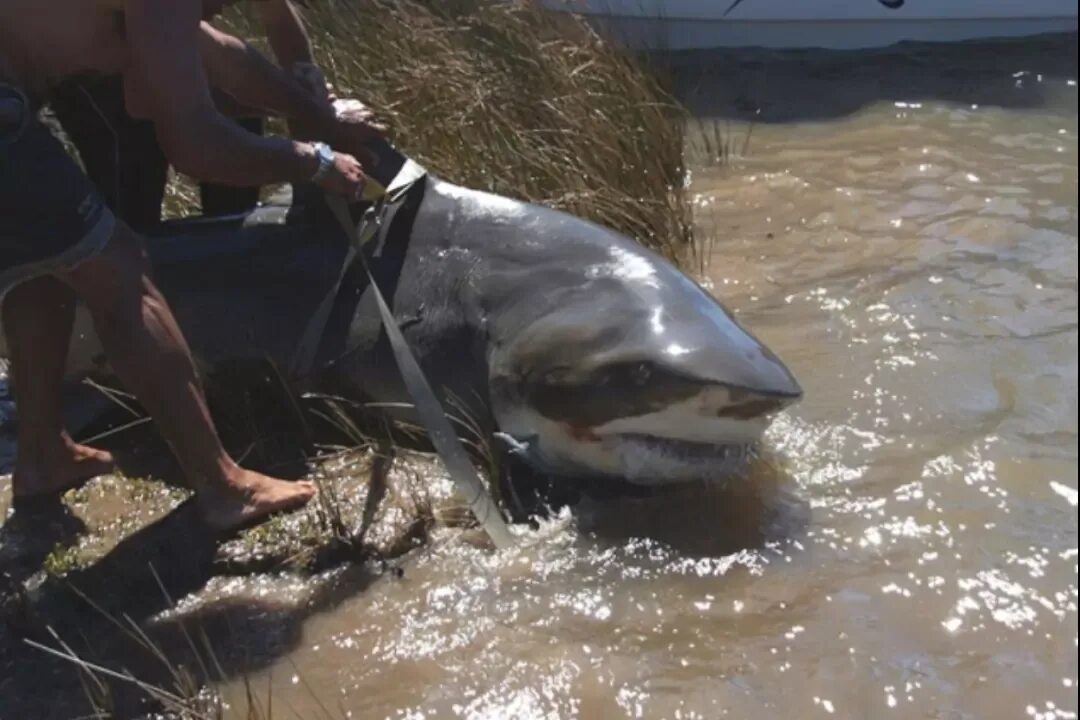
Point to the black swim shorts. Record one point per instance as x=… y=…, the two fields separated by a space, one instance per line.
x=51 y=217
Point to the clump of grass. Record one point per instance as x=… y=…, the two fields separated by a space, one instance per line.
x=712 y=142
x=505 y=97
x=188 y=689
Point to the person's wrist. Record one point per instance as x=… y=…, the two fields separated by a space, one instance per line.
x=316 y=116
x=303 y=69
x=309 y=75
x=307 y=162
x=325 y=157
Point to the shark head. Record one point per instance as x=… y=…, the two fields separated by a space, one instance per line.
x=636 y=373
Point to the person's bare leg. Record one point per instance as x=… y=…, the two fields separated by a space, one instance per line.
x=149 y=354
x=38 y=316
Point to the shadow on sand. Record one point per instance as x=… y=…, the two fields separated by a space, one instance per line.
x=94 y=610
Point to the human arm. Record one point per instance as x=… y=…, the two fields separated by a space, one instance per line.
x=236 y=68
x=242 y=72
x=291 y=44
x=167 y=82
x=285 y=32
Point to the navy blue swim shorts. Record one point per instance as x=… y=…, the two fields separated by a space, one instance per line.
x=51 y=217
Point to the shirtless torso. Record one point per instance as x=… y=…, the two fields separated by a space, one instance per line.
x=166 y=55
x=58 y=240
x=41 y=42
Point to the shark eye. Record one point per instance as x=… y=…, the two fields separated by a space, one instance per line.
x=625 y=374
x=554 y=376
x=641 y=373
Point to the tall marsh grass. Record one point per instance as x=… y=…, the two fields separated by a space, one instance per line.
x=504 y=97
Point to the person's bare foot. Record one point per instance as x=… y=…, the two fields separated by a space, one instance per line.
x=48 y=473
x=250 y=498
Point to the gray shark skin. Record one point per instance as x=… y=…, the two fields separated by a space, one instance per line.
x=587 y=354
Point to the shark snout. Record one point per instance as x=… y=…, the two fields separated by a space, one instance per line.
x=765 y=377
x=705 y=342
x=756 y=380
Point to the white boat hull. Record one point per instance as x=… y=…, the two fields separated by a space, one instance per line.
x=834 y=24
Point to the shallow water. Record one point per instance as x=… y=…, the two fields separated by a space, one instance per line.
x=901 y=228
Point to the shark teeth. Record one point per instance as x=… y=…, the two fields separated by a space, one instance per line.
x=647 y=459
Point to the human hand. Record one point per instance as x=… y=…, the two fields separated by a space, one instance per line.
x=356 y=124
x=345 y=177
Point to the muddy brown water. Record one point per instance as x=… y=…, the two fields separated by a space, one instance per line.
x=901 y=228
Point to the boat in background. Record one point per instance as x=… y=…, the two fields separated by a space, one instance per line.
x=834 y=24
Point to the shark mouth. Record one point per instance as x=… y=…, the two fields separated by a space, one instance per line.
x=653 y=460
